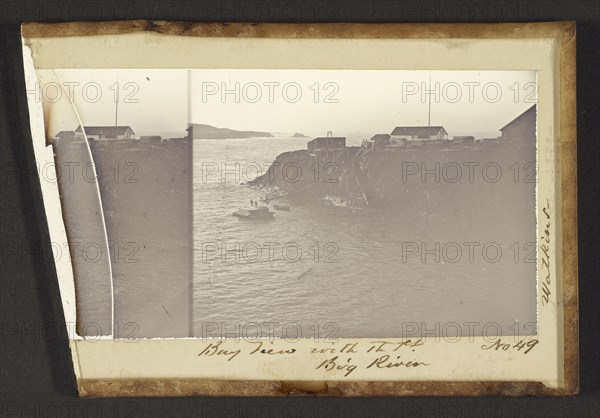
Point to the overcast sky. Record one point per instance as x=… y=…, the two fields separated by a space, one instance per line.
x=347 y=102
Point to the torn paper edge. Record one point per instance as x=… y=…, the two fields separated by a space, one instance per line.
x=44 y=157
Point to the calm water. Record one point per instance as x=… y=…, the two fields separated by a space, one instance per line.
x=320 y=263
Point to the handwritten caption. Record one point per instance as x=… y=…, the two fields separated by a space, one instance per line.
x=380 y=354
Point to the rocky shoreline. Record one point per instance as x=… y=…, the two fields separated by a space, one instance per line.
x=454 y=178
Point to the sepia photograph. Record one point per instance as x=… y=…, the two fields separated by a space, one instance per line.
x=270 y=217
x=369 y=203
x=124 y=172
x=288 y=203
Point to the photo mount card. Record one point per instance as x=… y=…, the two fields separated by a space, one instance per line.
x=329 y=209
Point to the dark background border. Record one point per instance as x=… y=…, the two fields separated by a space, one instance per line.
x=36 y=376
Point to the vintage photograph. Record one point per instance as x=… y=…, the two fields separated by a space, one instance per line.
x=268 y=216
x=299 y=203
x=363 y=203
x=123 y=163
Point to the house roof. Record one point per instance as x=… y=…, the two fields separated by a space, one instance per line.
x=105 y=130
x=417 y=130
x=326 y=138
x=380 y=137
x=528 y=111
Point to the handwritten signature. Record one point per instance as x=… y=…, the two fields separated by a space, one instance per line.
x=545 y=257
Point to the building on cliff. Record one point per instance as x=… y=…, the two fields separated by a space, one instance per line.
x=105 y=132
x=326 y=144
x=380 y=140
x=416 y=134
x=522 y=128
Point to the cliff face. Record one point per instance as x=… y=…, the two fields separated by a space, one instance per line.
x=496 y=179
x=200 y=131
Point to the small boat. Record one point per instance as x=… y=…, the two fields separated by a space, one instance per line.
x=282 y=207
x=262 y=212
x=268 y=198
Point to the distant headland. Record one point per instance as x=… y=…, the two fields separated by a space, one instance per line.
x=200 y=131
